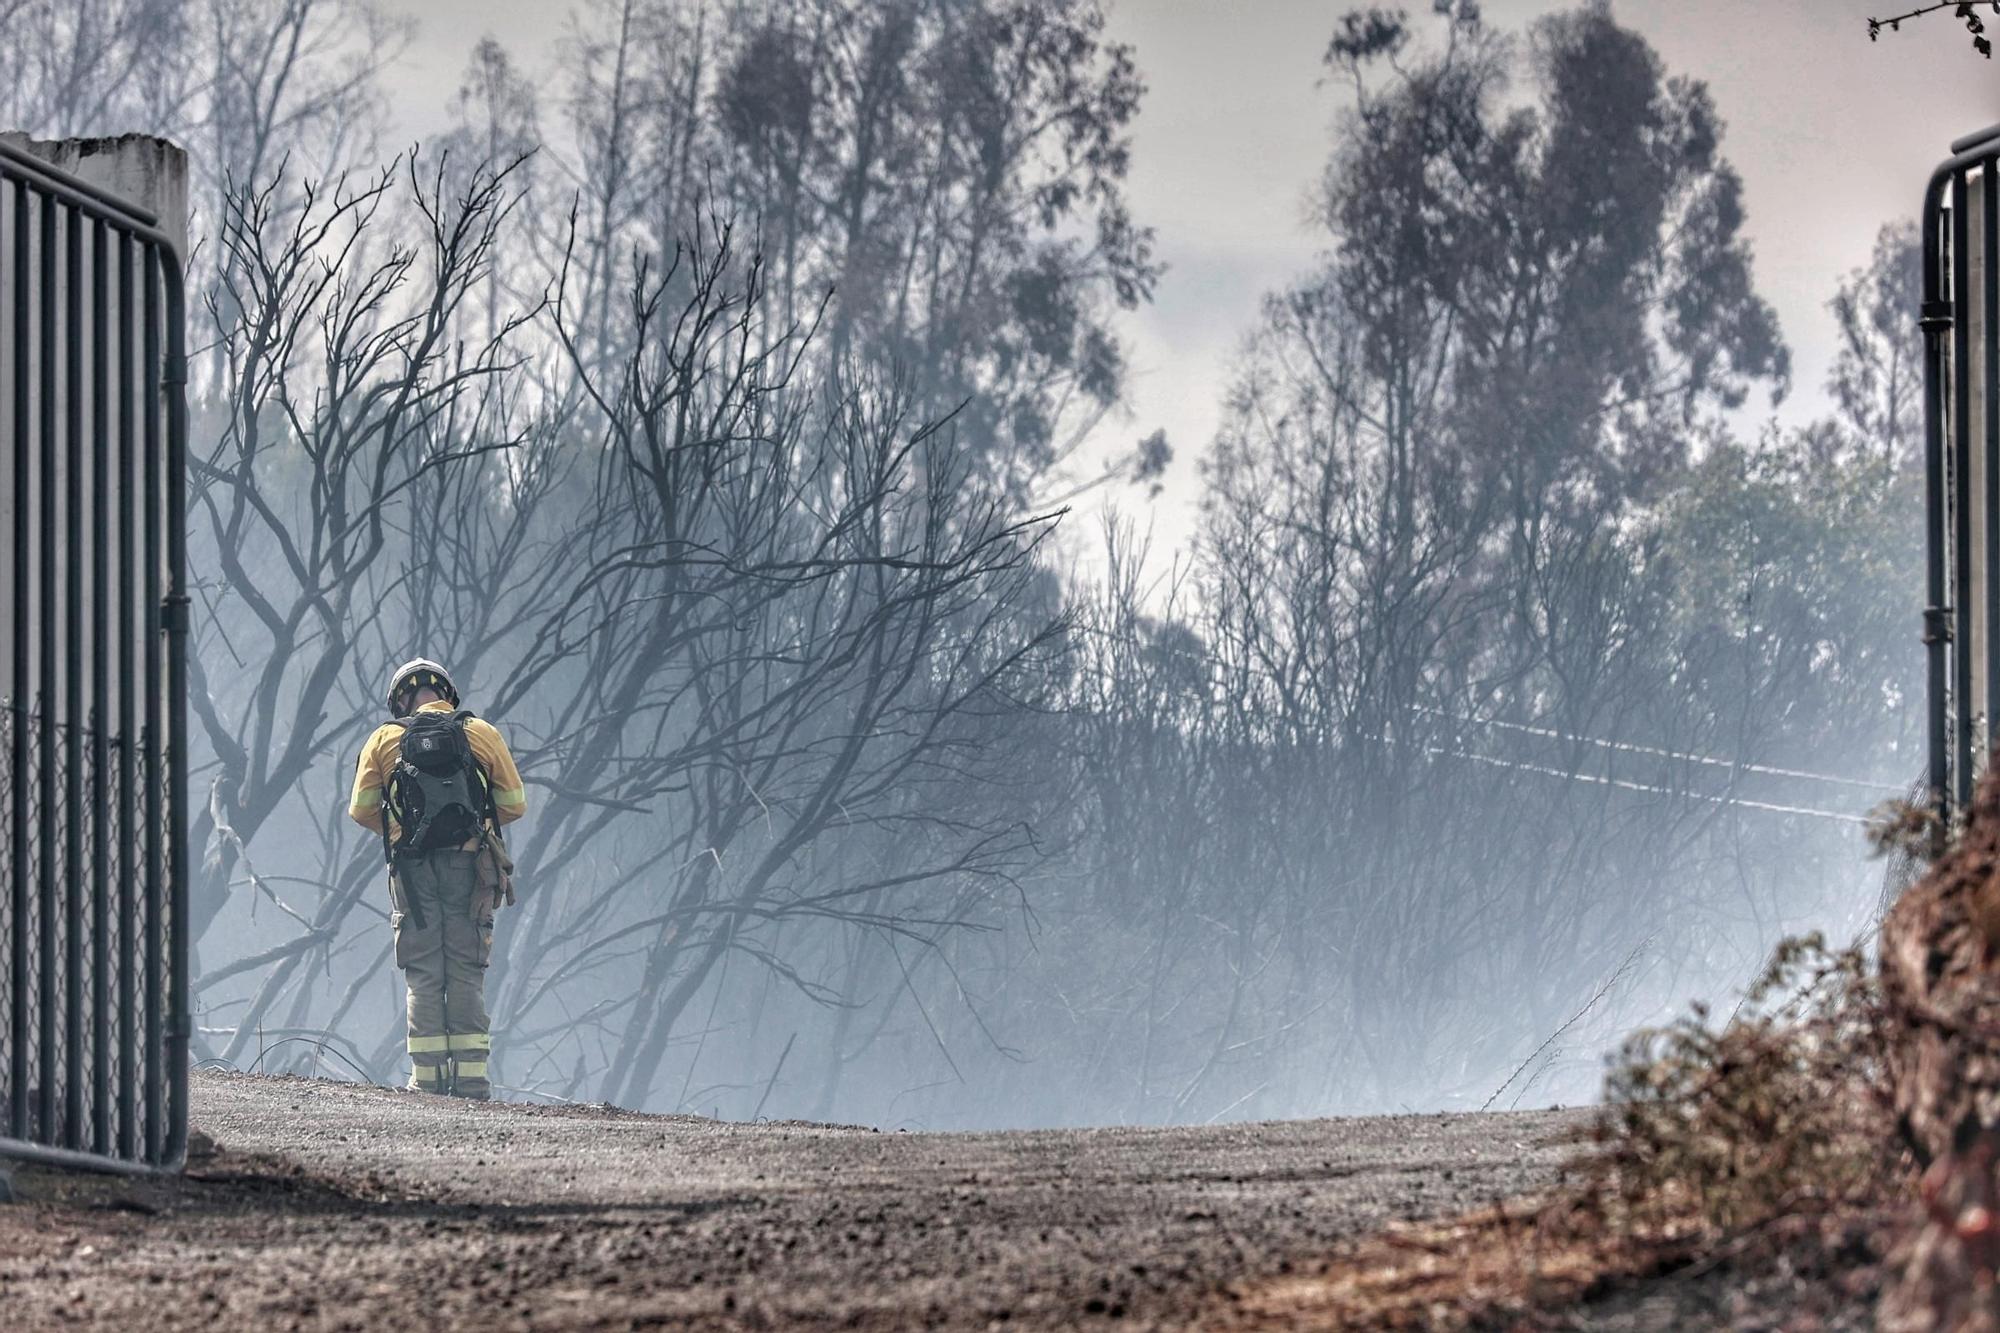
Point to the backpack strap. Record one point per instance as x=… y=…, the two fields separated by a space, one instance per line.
x=411 y=905
x=489 y=818
x=389 y=852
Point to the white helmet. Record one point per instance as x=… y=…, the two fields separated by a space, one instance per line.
x=417 y=674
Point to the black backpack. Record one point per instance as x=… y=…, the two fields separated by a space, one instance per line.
x=437 y=792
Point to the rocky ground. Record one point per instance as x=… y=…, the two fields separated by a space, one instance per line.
x=327 y=1205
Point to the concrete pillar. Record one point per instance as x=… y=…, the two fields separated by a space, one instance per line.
x=148 y=171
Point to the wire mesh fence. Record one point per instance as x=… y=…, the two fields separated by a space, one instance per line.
x=93 y=1005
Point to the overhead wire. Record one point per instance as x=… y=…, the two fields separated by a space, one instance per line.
x=1679 y=756
x=1604 y=780
x=1624 y=784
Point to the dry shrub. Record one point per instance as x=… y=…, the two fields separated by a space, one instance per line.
x=1835 y=1085
x=1739 y=1178
x=1941 y=994
x=1826 y=1157
x=1776 y=1113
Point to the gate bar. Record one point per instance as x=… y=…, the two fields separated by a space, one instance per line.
x=1975 y=139
x=1947 y=633
x=17 y=833
x=161 y=1142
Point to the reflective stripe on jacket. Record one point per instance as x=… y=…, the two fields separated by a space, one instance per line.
x=385 y=747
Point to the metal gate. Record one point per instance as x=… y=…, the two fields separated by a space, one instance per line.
x=94 y=1002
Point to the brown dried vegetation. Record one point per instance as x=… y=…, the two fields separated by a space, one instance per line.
x=1741 y=1169
x=1941 y=998
x=1826 y=1157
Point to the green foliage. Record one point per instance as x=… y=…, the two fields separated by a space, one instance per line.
x=1810 y=564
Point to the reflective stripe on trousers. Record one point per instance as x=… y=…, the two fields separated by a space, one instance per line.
x=444 y=966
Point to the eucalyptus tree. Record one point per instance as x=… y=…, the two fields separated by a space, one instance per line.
x=1876 y=380
x=951 y=171
x=1425 y=536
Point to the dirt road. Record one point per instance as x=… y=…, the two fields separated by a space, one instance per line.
x=335 y=1206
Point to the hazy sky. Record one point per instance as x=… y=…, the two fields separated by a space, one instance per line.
x=1832 y=135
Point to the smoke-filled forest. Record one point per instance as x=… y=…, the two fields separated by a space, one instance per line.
x=723 y=401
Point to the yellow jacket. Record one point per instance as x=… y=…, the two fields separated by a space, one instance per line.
x=385 y=747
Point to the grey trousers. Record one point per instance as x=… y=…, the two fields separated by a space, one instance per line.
x=443 y=946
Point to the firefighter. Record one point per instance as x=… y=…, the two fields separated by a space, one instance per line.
x=437 y=784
